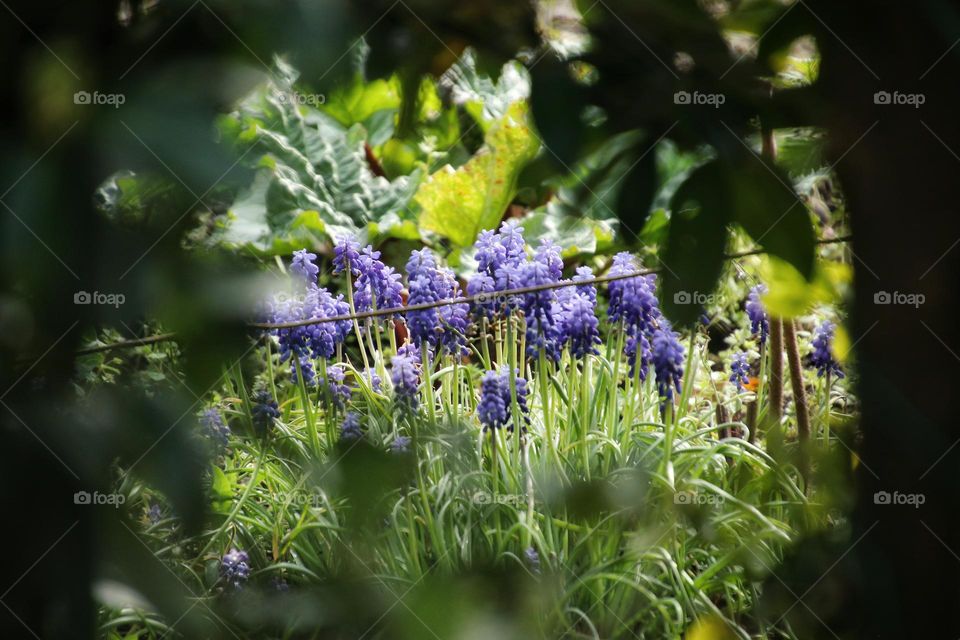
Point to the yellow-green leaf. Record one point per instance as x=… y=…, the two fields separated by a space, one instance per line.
x=458 y=204
x=711 y=627
x=791 y=295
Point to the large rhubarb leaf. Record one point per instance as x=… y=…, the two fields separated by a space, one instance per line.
x=459 y=203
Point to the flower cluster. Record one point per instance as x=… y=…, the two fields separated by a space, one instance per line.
x=634 y=304
x=339 y=392
x=403 y=374
x=759 y=321
x=302 y=344
x=579 y=327
x=667 y=355
x=235 y=568
x=214 y=428
x=495 y=407
x=557 y=315
x=350 y=430
x=499 y=256
x=346 y=255
x=554 y=317
x=739 y=370
x=822 y=357
x=378 y=286
x=443 y=326
x=264 y=411
x=400 y=444
x=542 y=311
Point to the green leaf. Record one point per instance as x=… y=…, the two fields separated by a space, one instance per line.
x=791 y=295
x=458 y=204
x=593 y=188
x=558 y=102
x=637 y=191
x=575 y=236
x=694 y=255
x=486 y=100
x=314 y=182
x=359 y=101
x=764 y=203
x=221 y=488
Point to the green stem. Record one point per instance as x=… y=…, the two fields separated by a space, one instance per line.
x=356 y=324
x=307 y=411
x=428 y=382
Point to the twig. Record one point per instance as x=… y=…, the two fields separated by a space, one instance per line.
x=123 y=344
x=799 y=397
x=483 y=297
x=487 y=297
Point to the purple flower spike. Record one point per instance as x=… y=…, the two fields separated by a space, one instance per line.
x=541 y=310
x=215 y=429
x=403 y=373
x=759 y=321
x=667 y=355
x=235 y=568
x=264 y=411
x=443 y=326
x=377 y=283
x=494 y=409
x=580 y=326
x=351 y=430
x=346 y=254
x=339 y=392
x=303 y=266
x=739 y=370
x=822 y=357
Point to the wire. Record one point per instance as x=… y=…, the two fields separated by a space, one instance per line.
x=478 y=298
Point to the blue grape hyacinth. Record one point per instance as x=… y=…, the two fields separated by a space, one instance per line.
x=339 y=392
x=403 y=374
x=822 y=357
x=302 y=265
x=235 y=568
x=757 y=313
x=499 y=257
x=443 y=326
x=634 y=305
x=350 y=429
x=532 y=559
x=264 y=411
x=378 y=286
x=302 y=344
x=542 y=310
x=739 y=370
x=580 y=327
x=346 y=255
x=495 y=407
x=667 y=356
x=492 y=408
x=400 y=444
x=215 y=429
